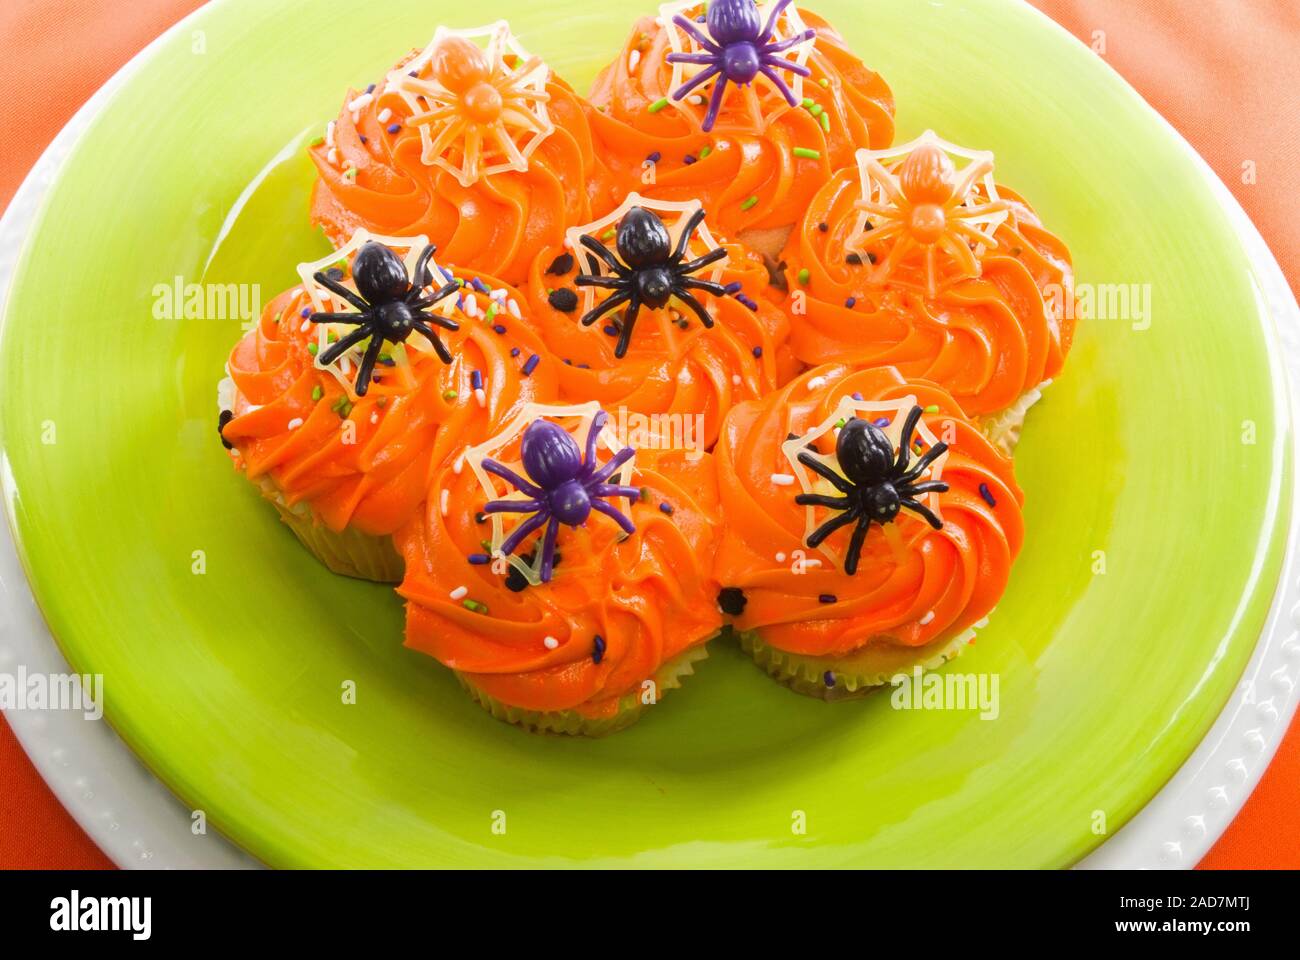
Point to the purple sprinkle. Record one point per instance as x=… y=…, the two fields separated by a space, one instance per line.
x=584 y=366
x=447 y=274
x=390 y=362
x=610 y=329
x=827 y=598
x=758 y=352
x=688 y=159
x=413 y=73
x=498 y=329
x=856 y=396
x=514 y=351
x=828 y=678
x=597 y=648
x=752 y=304
x=655 y=157
x=479 y=559
x=476 y=380
x=394 y=127
x=363 y=138
x=850 y=302
x=306 y=312
x=370 y=89
x=732 y=288
x=987 y=495
x=666 y=508
x=531 y=364
x=882 y=422
x=460 y=303
x=568 y=362
x=479 y=285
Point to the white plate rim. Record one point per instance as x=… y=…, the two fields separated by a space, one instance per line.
x=137 y=822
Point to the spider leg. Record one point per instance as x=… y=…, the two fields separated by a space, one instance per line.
x=611 y=466
x=337 y=288
x=353 y=318
x=593 y=432
x=784 y=64
x=779 y=83
x=615 y=490
x=855 y=545
x=440 y=348
x=505 y=473
x=905 y=439
x=766 y=35
x=548 y=549
x=596 y=280
x=842 y=484
x=442 y=293
x=925 y=512
x=625 y=331
x=782 y=45
x=830 y=526
x=704 y=76
x=912 y=490
x=717 y=289
x=602 y=251
x=695 y=220
x=699 y=263
x=822 y=500
x=715 y=104
x=695 y=58
x=422 y=276
x=702 y=39
x=611 y=511
x=513 y=506
x=445 y=322
x=927 y=458
x=336 y=350
x=682 y=294
x=524 y=529
x=368 y=365
x=600 y=309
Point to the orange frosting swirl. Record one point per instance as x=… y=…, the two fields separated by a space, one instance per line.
x=667 y=369
x=289 y=415
x=914 y=584
x=751 y=177
x=496 y=225
x=986 y=340
x=650 y=596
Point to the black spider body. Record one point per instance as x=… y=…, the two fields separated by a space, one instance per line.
x=648 y=271
x=875 y=484
x=391 y=306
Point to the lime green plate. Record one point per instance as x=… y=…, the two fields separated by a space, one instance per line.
x=1155 y=472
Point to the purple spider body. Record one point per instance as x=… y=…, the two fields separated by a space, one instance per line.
x=737 y=48
x=562 y=486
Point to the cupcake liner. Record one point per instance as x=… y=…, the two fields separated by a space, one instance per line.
x=349 y=552
x=669 y=676
x=855 y=675
x=1003 y=430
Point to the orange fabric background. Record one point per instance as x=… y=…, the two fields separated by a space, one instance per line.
x=1225 y=72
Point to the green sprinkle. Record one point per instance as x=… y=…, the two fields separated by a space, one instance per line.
x=807 y=102
x=816 y=110
x=932 y=408
x=381 y=402
x=344 y=408
x=645 y=494
x=807 y=152
x=491 y=312
x=824 y=82
x=331 y=337
x=312 y=348
x=825 y=119
x=317 y=141
x=486 y=545
x=385 y=356
x=839 y=424
x=350 y=173
x=658 y=105
x=474 y=606
x=608 y=234
x=449 y=395
x=317 y=392
x=705 y=152
x=804 y=275
x=751 y=202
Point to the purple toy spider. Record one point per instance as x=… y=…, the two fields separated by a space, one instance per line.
x=739 y=48
x=567 y=487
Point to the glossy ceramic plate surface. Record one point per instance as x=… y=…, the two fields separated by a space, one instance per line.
x=1158 y=458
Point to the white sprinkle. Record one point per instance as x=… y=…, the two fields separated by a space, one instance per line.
x=816 y=383
x=471 y=305
x=361 y=102
x=384 y=115
x=783 y=479
x=295 y=423
x=459 y=464
x=306 y=325
x=444 y=501
x=735 y=379
x=481 y=397
x=500 y=293
x=926 y=619
x=812 y=562
x=550 y=643
x=356 y=118
x=458 y=593
x=374 y=417
x=329 y=134
x=333 y=157
x=513 y=308
x=780 y=557
x=633 y=59
x=697 y=100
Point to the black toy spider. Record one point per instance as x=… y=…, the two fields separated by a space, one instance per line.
x=875 y=484
x=739 y=48
x=391 y=306
x=564 y=486
x=654 y=272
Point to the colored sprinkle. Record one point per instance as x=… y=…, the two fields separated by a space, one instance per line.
x=688 y=159
x=312 y=348
x=816 y=383
x=850 y=302
x=295 y=423
x=666 y=507
x=597 y=648
x=987 y=495
x=475 y=606
x=658 y=105
x=317 y=392
x=645 y=494
x=476 y=379
x=514 y=351
x=807 y=152
x=479 y=559
x=828 y=678
x=747 y=301
x=804 y=274
x=444 y=501
x=839 y=424
x=823 y=226
x=317 y=141
x=655 y=157
x=394 y=127
x=531 y=364
x=449 y=395
x=858 y=397
x=926 y=619
x=550 y=643
x=815 y=109
x=705 y=152
x=807 y=102
x=827 y=598
x=751 y=202
x=882 y=422
x=350 y=173
x=824 y=82
x=498 y=329
x=610 y=330
x=783 y=479
x=732 y=288
x=825 y=119
x=932 y=408
x=758 y=352
x=459 y=593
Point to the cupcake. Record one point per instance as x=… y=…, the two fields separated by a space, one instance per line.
x=566 y=578
x=471 y=142
x=648 y=313
x=869 y=528
x=908 y=259
x=747 y=107
x=359 y=382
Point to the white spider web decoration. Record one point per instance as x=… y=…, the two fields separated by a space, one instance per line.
x=788 y=24
x=674 y=214
x=870 y=410
x=576 y=419
x=325 y=301
x=424 y=95
x=878 y=183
